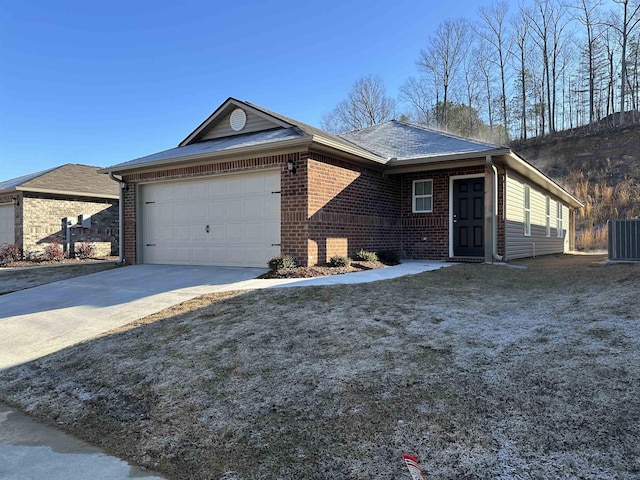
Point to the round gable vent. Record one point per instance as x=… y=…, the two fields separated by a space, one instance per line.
x=238 y=119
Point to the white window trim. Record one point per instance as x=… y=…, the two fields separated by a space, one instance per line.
x=559 y=220
x=547 y=215
x=414 y=196
x=525 y=210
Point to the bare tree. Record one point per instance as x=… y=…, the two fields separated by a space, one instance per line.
x=492 y=28
x=366 y=104
x=443 y=57
x=548 y=26
x=633 y=75
x=521 y=25
x=588 y=16
x=415 y=92
x=627 y=18
x=486 y=74
x=472 y=81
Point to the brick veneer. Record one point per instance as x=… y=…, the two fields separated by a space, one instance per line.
x=426 y=235
x=334 y=207
x=42 y=215
x=351 y=207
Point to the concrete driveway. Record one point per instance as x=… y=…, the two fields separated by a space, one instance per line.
x=41 y=320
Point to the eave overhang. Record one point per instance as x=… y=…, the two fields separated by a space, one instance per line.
x=306 y=142
x=66 y=193
x=517 y=164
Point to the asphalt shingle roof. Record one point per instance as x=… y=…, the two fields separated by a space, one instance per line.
x=81 y=179
x=216 y=145
x=404 y=141
x=381 y=143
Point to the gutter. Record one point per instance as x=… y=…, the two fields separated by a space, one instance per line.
x=123 y=186
x=64 y=192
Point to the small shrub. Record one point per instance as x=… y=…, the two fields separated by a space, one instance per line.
x=9 y=253
x=339 y=261
x=33 y=256
x=53 y=253
x=366 y=256
x=281 y=262
x=85 y=250
x=389 y=257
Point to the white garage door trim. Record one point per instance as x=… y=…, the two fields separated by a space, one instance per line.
x=7 y=224
x=223 y=220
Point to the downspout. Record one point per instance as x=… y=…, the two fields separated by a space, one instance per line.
x=495 y=213
x=123 y=186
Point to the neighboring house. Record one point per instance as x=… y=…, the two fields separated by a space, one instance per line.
x=32 y=208
x=249 y=184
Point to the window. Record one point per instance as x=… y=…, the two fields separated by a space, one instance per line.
x=527 y=211
x=422 y=196
x=547 y=216
x=559 y=225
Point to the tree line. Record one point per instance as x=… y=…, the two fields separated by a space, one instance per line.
x=514 y=73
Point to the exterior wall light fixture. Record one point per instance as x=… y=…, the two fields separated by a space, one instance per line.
x=15 y=201
x=291 y=166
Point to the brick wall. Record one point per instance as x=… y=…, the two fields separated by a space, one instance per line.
x=42 y=215
x=350 y=208
x=294 y=229
x=426 y=235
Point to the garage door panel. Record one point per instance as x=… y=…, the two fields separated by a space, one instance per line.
x=241 y=211
x=7 y=224
x=234 y=186
x=234 y=210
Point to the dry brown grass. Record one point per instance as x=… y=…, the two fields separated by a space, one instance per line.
x=481 y=371
x=13 y=280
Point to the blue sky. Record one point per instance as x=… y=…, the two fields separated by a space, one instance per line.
x=100 y=83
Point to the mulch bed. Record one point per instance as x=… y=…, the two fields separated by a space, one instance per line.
x=321 y=270
x=40 y=263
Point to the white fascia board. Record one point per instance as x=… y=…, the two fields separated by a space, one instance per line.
x=66 y=192
x=356 y=151
x=448 y=157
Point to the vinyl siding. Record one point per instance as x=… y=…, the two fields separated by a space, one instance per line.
x=517 y=244
x=223 y=128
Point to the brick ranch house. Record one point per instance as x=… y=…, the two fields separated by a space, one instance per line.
x=249 y=184
x=32 y=208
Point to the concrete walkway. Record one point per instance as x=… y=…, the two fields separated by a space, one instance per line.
x=30 y=450
x=44 y=319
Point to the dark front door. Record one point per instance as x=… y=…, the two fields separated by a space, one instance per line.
x=468 y=217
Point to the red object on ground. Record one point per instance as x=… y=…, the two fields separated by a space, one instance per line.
x=413 y=466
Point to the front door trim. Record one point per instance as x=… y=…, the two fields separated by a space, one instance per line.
x=451 y=180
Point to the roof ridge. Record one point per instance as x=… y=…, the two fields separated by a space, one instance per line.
x=448 y=134
x=17 y=181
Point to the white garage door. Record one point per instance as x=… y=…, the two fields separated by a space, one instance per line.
x=7 y=223
x=232 y=220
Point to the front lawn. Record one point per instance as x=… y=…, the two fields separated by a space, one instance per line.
x=480 y=371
